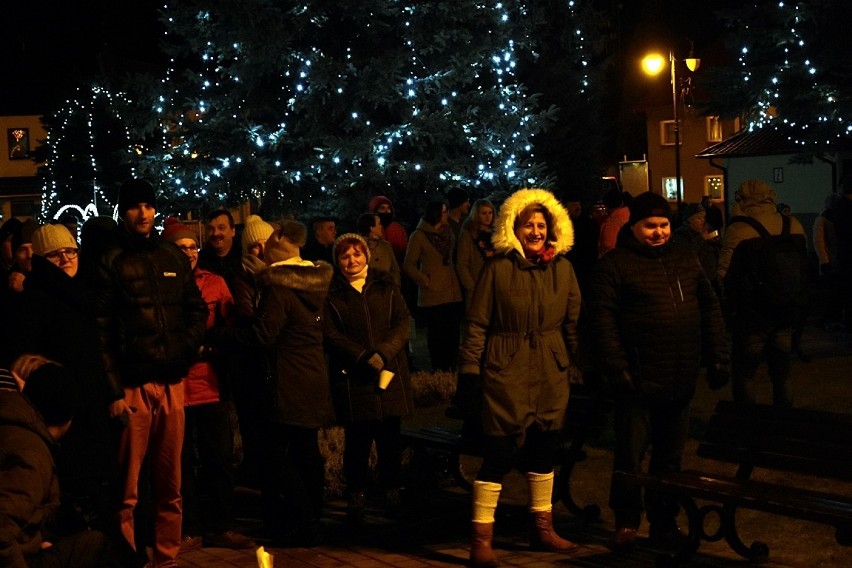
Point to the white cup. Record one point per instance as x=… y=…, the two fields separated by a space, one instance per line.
x=385 y=378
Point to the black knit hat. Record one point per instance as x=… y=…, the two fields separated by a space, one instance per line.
x=136 y=191
x=23 y=234
x=456 y=196
x=8 y=228
x=52 y=390
x=649 y=204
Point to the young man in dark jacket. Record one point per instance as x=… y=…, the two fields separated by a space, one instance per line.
x=151 y=320
x=655 y=320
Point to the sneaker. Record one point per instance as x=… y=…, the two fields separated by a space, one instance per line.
x=189 y=542
x=625 y=539
x=230 y=539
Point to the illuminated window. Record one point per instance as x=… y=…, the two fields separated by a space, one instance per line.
x=667 y=133
x=714 y=129
x=713 y=186
x=670 y=188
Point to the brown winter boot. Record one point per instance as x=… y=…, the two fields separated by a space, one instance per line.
x=481 y=553
x=544 y=537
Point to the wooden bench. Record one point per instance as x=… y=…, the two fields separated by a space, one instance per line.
x=584 y=421
x=810 y=442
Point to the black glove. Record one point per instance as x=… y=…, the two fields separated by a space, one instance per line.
x=826 y=268
x=621 y=383
x=718 y=376
x=375 y=361
x=468 y=397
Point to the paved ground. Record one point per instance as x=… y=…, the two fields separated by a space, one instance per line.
x=436 y=531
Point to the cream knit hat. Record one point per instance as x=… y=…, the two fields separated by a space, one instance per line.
x=49 y=238
x=255 y=229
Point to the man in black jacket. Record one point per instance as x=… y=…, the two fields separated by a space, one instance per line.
x=655 y=320
x=151 y=322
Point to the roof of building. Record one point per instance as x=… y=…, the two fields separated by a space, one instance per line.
x=772 y=139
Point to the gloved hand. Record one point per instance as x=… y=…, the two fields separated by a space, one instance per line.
x=621 y=383
x=375 y=361
x=718 y=376
x=468 y=397
x=826 y=268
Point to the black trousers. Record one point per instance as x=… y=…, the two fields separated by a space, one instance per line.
x=443 y=332
x=356 y=454
x=501 y=454
x=208 y=468
x=293 y=479
x=662 y=425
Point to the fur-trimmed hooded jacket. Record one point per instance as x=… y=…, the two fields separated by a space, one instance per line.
x=522 y=325
x=289 y=323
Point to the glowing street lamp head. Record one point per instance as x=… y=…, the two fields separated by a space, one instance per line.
x=653 y=63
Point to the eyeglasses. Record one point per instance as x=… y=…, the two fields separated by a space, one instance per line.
x=188 y=248
x=69 y=253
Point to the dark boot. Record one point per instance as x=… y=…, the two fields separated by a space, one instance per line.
x=481 y=553
x=355 y=509
x=543 y=536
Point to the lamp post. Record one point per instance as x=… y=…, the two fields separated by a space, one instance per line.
x=652 y=65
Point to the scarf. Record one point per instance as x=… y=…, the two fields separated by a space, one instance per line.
x=483 y=244
x=442 y=240
x=545 y=257
x=357 y=281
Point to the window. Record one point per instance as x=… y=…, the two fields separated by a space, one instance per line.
x=714 y=129
x=670 y=188
x=713 y=186
x=667 y=133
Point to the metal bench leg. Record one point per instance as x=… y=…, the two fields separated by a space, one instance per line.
x=562 y=492
x=757 y=552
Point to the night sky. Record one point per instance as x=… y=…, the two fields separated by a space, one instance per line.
x=49 y=46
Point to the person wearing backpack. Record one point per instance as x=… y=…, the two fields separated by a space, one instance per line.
x=763 y=267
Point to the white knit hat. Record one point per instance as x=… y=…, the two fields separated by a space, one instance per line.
x=49 y=238
x=255 y=229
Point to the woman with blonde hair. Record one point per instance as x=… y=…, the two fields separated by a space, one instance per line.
x=474 y=246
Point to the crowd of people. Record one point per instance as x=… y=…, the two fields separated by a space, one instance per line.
x=169 y=364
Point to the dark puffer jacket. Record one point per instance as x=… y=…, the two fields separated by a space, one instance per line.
x=653 y=312
x=289 y=323
x=29 y=489
x=150 y=315
x=357 y=324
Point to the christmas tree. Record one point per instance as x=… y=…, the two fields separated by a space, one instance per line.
x=85 y=157
x=792 y=66
x=314 y=107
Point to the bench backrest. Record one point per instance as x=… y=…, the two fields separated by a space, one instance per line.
x=787 y=439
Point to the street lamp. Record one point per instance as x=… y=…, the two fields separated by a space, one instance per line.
x=652 y=64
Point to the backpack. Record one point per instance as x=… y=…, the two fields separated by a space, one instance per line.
x=769 y=274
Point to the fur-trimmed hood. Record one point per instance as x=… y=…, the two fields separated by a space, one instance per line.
x=310 y=282
x=561 y=234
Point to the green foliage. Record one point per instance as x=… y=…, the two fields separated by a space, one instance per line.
x=314 y=107
x=793 y=61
